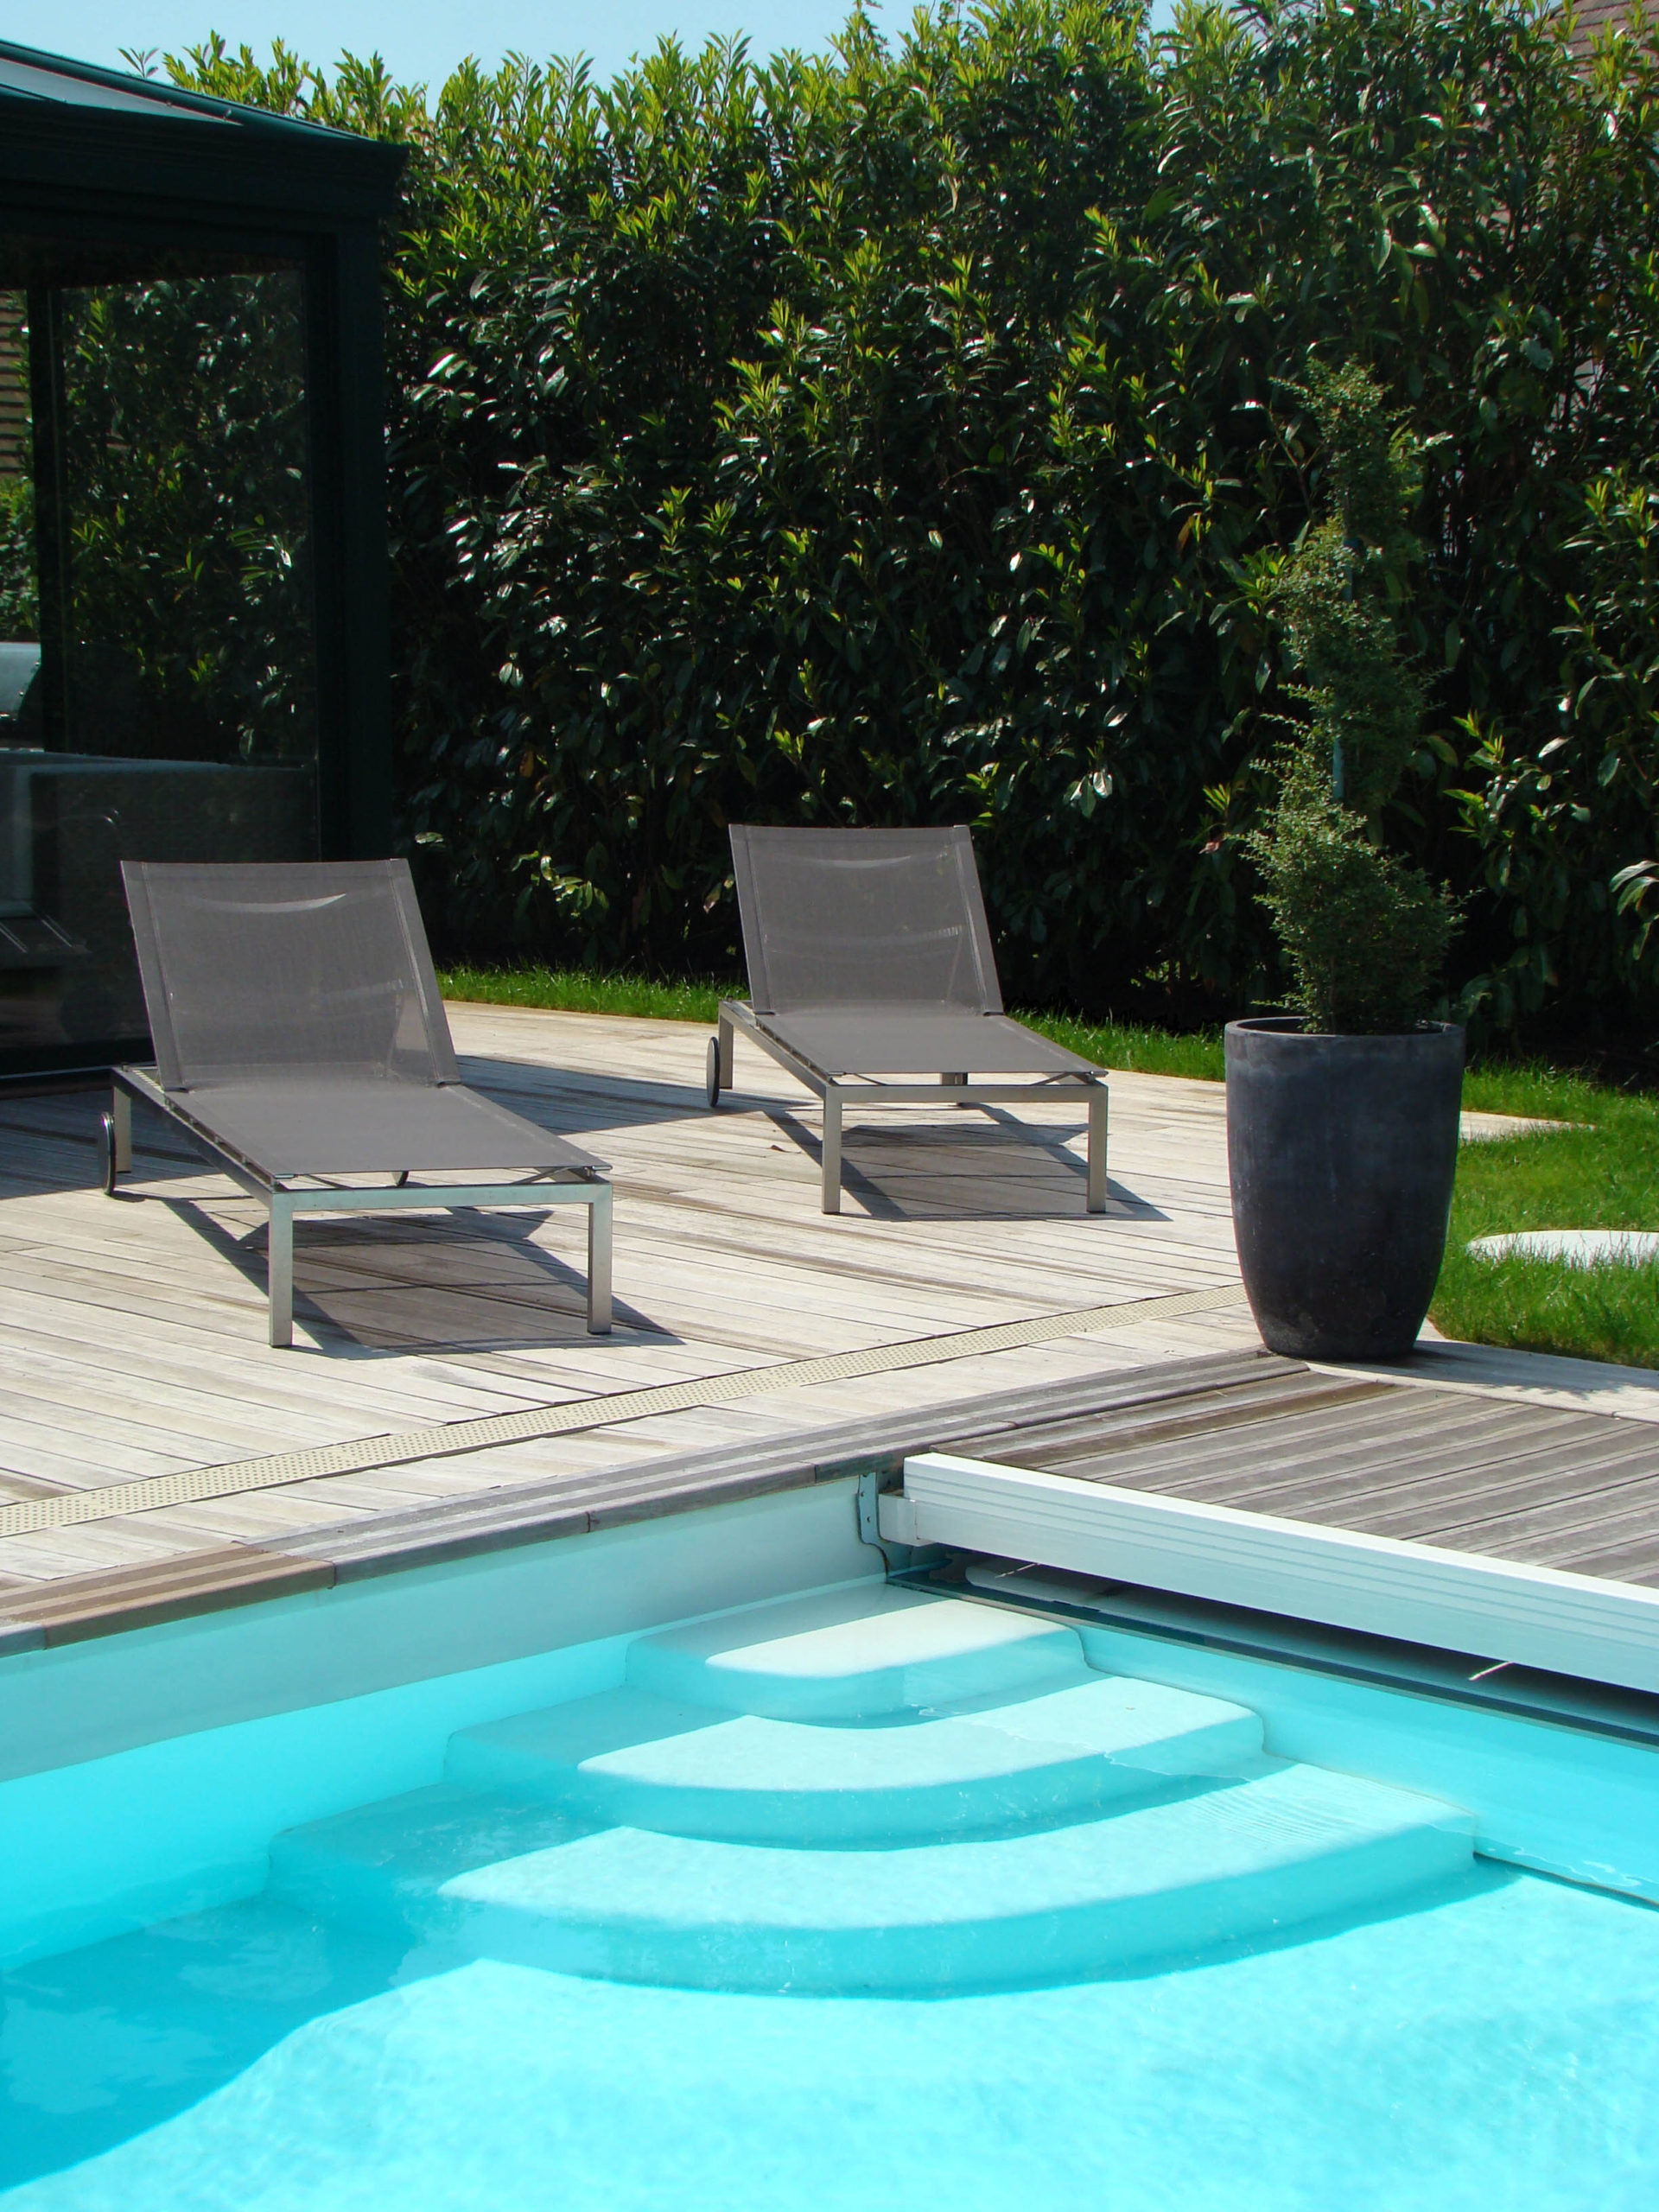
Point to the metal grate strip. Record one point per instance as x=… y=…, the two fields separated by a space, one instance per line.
x=191 y=1485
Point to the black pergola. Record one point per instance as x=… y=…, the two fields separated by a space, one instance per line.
x=133 y=215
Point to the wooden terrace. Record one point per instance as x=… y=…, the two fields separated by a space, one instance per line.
x=158 y=1456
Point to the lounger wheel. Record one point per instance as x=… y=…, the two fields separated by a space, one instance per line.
x=712 y=1074
x=106 y=1136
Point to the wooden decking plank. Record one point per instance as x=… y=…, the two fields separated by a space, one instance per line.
x=113 y=1546
x=1462 y=1499
x=81 y=1417
x=96 y=1390
x=1559 y=1522
x=359 y=1380
x=1231 y=1464
x=1326 y=1470
x=260 y=1517
x=93 y=1605
x=1549 y=1381
x=38 y=1449
x=624 y=1364
x=1622 y=1557
x=1077 y=1446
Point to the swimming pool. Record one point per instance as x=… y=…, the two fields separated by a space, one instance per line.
x=841 y=1900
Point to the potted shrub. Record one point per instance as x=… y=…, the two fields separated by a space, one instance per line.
x=1342 y=1112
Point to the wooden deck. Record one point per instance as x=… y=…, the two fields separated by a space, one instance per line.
x=156 y=1456
x=131 y=1330
x=1464 y=1471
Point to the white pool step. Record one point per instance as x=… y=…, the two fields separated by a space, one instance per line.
x=874 y=1790
x=853 y=1655
x=1232 y=1862
x=383 y=1866
x=637 y=1760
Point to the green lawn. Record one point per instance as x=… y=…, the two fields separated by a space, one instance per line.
x=575 y=990
x=1602 y=1172
x=580 y=990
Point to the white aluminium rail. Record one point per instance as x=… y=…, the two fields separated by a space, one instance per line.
x=1578 y=1624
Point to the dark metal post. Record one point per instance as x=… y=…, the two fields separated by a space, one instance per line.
x=51 y=478
x=344 y=377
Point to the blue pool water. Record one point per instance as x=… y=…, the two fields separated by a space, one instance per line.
x=1046 y=1935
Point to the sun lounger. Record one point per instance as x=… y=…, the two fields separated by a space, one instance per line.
x=869 y=958
x=300 y=1039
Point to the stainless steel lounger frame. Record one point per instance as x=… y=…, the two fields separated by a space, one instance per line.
x=857 y=941
x=302 y=1044
x=283 y=1199
x=836 y=1093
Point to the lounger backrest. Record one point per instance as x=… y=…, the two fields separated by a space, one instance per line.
x=297 y=968
x=863 y=918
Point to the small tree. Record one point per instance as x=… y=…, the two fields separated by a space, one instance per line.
x=1365 y=933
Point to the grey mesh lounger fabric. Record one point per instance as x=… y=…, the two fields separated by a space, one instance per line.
x=299 y=1036
x=870 y=957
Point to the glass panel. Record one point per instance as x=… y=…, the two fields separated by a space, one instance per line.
x=157 y=680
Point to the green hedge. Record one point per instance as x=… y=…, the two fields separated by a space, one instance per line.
x=19 y=608
x=907 y=434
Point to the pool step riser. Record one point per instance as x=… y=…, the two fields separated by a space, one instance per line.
x=852 y=1656
x=1083 y=1788
x=1085 y=1943
x=1067 y=1755
x=1081 y=1940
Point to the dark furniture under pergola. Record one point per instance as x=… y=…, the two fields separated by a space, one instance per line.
x=194 y=291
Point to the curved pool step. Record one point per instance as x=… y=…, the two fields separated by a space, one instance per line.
x=869 y=1791
x=637 y=1760
x=381 y=1866
x=1220 y=1864
x=854 y=1654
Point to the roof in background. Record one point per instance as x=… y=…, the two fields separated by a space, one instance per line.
x=67 y=124
x=35 y=79
x=28 y=74
x=1594 y=18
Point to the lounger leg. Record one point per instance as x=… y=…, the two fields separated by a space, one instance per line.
x=954 y=1081
x=598 y=1261
x=723 y=1035
x=281 y=1258
x=121 y=1115
x=832 y=1151
x=1097 y=1198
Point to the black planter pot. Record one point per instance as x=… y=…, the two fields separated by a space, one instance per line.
x=1342 y=1151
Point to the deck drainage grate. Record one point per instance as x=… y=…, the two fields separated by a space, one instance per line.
x=191 y=1485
